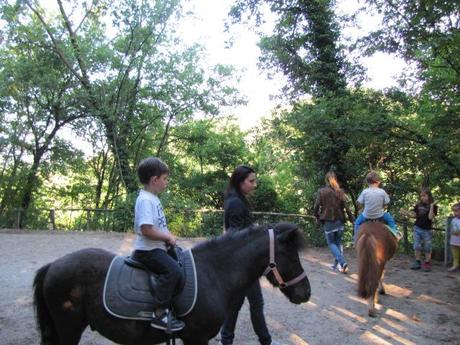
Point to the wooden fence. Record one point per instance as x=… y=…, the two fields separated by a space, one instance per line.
x=122 y=220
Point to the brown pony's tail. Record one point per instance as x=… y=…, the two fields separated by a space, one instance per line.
x=368 y=267
x=45 y=322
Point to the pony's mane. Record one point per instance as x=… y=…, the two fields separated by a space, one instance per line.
x=297 y=240
x=247 y=232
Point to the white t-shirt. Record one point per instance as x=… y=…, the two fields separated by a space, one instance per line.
x=374 y=200
x=148 y=210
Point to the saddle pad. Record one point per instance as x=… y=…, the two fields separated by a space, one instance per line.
x=394 y=232
x=127 y=293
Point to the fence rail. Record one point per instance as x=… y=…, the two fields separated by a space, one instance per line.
x=186 y=222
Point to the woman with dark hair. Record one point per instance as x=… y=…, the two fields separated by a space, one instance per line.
x=243 y=182
x=330 y=208
x=237 y=216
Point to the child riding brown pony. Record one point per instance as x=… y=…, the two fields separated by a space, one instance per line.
x=375 y=246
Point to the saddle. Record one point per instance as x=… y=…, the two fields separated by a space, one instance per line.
x=396 y=234
x=129 y=287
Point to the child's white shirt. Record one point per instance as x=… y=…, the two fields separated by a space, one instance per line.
x=148 y=211
x=374 y=200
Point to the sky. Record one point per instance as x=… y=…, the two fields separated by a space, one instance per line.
x=207 y=27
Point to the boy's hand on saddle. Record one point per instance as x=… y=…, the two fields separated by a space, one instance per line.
x=171 y=240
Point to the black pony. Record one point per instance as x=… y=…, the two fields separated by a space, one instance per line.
x=68 y=291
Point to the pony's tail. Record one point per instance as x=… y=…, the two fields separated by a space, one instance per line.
x=45 y=322
x=368 y=267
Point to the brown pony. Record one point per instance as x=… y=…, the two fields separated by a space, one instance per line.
x=375 y=246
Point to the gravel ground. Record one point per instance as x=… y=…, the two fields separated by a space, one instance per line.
x=421 y=308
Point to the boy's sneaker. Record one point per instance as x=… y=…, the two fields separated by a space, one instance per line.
x=416 y=265
x=426 y=266
x=162 y=321
x=333 y=267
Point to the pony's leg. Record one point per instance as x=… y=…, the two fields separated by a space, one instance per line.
x=371 y=305
x=70 y=336
x=381 y=286
x=70 y=327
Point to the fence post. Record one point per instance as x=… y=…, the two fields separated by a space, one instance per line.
x=18 y=219
x=447 y=252
x=88 y=219
x=406 y=239
x=52 y=219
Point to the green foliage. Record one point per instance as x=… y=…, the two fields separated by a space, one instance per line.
x=377 y=131
x=125 y=87
x=428 y=34
x=304 y=45
x=204 y=154
x=190 y=223
x=132 y=90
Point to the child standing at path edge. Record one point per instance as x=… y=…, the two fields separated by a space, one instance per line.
x=423 y=212
x=455 y=238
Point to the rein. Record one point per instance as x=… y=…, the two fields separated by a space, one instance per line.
x=272 y=265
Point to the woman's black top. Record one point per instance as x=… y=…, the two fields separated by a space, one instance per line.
x=236 y=212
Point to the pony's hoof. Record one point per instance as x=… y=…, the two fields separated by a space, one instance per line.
x=372 y=313
x=382 y=292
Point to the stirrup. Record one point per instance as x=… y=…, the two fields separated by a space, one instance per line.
x=168 y=323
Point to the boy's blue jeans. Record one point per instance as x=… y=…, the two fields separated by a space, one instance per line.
x=387 y=217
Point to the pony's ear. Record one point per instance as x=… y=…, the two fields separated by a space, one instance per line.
x=286 y=231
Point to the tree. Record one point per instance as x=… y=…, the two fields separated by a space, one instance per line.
x=304 y=45
x=426 y=33
x=324 y=130
x=208 y=151
x=37 y=98
x=128 y=77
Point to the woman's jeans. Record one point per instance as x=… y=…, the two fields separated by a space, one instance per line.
x=333 y=231
x=256 y=308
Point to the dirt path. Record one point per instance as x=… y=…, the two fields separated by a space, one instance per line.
x=420 y=308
